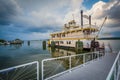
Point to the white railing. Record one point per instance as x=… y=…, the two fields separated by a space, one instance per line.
x=22 y=66
x=114 y=73
x=94 y=55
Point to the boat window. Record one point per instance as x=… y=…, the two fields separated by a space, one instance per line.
x=69 y=42
x=53 y=36
x=63 y=35
x=61 y=42
x=58 y=35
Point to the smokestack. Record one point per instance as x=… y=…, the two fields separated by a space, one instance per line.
x=90 y=20
x=81 y=18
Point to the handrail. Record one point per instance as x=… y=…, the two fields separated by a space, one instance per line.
x=69 y=57
x=113 y=67
x=26 y=64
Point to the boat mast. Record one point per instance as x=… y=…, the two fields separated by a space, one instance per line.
x=101 y=27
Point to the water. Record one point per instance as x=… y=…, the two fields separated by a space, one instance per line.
x=12 y=55
x=115 y=44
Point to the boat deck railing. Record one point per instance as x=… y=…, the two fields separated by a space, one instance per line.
x=114 y=73
x=21 y=72
x=79 y=60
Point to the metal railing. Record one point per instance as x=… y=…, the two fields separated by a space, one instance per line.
x=20 y=71
x=114 y=73
x=70 y=59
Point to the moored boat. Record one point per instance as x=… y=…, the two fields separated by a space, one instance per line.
x=16 y=41
x=76 y=36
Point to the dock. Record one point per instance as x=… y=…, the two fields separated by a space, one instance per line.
x=94 y=70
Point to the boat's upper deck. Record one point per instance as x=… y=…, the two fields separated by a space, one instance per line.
x=72 y=30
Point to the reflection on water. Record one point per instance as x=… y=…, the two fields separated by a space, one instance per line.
x=17 y=46
x=28 y=43
x=57 y=52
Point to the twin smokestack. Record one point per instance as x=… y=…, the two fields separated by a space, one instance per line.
x=82 y=19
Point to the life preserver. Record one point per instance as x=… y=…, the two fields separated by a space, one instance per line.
x=96 y=44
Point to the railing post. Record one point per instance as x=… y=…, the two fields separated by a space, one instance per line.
x=70 y=64
x=83 y=58
x=37 y=70
x=42 y=70
x=114 y=72
x=98 y=54
x=92 y=56
x=118 y=64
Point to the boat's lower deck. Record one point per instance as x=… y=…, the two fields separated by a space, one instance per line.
x=86 y=44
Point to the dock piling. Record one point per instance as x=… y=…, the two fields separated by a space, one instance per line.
x=44 y=45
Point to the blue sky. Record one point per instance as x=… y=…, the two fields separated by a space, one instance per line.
x=89 y=3
x=36 y=19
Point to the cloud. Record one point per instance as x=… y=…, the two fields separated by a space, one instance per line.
x=74 y=12
x=14 y=19
x=28 y=18
x=114 y=11
x=45 y=19
x=38 y=35
x=76 y=4
x=49 y=14
x=8 y=9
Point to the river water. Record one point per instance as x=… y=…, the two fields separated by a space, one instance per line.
x=12 y=55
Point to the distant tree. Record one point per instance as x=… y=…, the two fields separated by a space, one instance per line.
x=17 y=39
x=2 y=40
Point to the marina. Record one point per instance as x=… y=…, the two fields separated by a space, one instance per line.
x=16 y=41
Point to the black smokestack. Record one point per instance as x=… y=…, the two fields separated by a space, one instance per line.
x=81 y=18
x=90 y=20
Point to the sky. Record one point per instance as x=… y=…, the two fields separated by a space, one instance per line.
x=36 y=19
